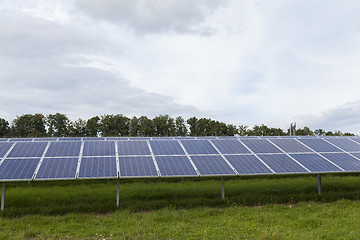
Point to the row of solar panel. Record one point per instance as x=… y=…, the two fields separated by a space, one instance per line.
x=145 y=166
x=160 y=138
x=175 y=147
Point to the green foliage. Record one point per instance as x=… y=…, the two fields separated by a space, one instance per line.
x=93 y=126
x=114 y=125
x=164 y=125
x=29 y=125
x=4 y=128
x=58 y=125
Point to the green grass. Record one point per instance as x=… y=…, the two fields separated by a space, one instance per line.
x=281 y=207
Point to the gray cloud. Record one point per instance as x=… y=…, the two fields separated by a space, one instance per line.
x=344 y=118
x=38 y=74
x=185 y=16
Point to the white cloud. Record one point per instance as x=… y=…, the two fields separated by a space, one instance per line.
x=263 y=62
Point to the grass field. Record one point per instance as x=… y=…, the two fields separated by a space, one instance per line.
x=281 y=207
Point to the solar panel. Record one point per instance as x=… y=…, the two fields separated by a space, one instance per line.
x=290 y=145
x=18 y=169
x=98 y=167
x=133 y=148
x=212 y=165
x=117 y=138
x=4 y=148
x=315 y=163
x=64 y=149
x=230 y=146
x=137 y=167
x=99 y=148
x=57 y=168
x=343 y=160
x=166 y=147
x=319 y=145
x=247 y=164
x=93 y=139
x=199 y=147
x=70 y=139
x=356 y=139
x=20 y=139
x=261 y=146
x=28 y=149
x=281 y=163
x=175 y=166
x=345 y=144
x=3 y=139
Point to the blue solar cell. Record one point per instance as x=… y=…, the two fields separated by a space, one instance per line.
x=45 y=139
x=64 y=149
x=356 y=155
x=98 y=167
x=175 y=166
x=345 y=144
x=99 y=148
x=93 y=139
x=70 y=139
x=18 y=169
x=163 y=138
x=169 y=147
x=20 y=139
x=281 y=163
x=343 y=160
x=261 y=146
x=206 y=138
x=3 y=139
x=57 y=168
x=139 y=138
x=356 y=139
x=212 y=165
x=319 y=145
x=4 y=148
x=184 y=138
x=137 y=167
x=230 y=146
x=118 y=138
x=290 y=145
x=315 y=163
x=199 y=147
x=133 y=148
x=28 y=149
x=247 y=164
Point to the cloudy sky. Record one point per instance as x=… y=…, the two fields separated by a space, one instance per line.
x=241 y=62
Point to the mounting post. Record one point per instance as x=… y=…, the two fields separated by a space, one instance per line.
x=117 y=193
x=222 y=189
x=319 y=184
x=3 y=197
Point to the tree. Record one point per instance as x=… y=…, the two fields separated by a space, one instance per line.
x=319 y=132
x=78 y=128
x=4 y=128
x=93 y=126
x=134 y=127
x=29 y=125
x=114 y=125
x=58 y=125
x=231 y=130
x=243 y=130
x=180 y=127
x=146 y=127
x=304 y=132
x=164 y=125
x=194 y=130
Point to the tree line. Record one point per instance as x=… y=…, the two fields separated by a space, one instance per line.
x=118 y=125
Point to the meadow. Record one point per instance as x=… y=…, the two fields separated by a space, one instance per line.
x=263 y=207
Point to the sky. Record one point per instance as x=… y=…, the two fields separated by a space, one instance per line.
x=242 y=62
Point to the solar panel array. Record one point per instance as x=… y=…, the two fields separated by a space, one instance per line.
x=87 y=158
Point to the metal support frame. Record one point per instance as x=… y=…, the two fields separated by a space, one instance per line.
x=222 y=188
x=3 y=197
x=117 y=193
x=319 y=184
